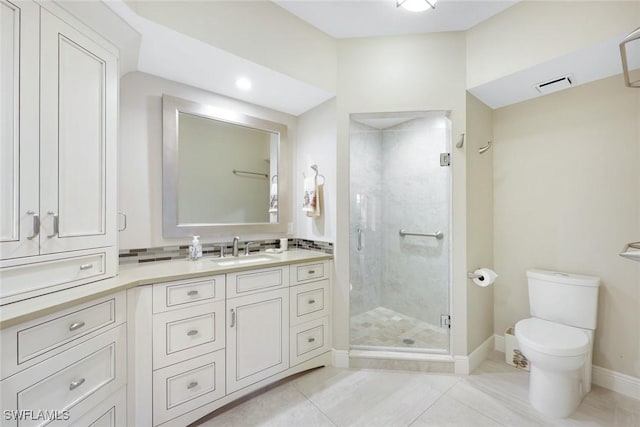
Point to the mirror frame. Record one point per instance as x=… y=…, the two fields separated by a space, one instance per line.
x=171 y=109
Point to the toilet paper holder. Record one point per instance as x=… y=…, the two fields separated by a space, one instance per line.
x=473 y=275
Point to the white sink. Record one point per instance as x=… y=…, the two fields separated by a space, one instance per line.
x=243 y=259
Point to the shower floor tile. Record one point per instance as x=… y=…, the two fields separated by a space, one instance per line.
x=382 y=327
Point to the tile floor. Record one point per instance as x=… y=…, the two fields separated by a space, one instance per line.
x=494 y=395
x=382 y=327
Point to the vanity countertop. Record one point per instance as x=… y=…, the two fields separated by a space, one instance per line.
x=144 y=274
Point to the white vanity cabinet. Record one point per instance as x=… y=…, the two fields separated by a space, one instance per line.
x=205 y=342
x=71 y=364
x=188 y=346
x=58 y=151
x=257 y=337
x=310 y=333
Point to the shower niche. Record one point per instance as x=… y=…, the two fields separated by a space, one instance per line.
x=400 y=232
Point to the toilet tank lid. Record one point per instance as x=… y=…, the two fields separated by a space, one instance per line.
x=566 y=278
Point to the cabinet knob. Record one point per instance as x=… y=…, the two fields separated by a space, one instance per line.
x=192 y=293
x=192 y=332
x=77 y=383
x=192 y=384
x=75 y=326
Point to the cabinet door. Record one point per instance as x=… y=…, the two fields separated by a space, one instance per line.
x=78 y=98
x=257 y=337
x=19 y=44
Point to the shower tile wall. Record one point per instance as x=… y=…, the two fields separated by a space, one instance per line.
x=366 y=214
x=416 y=193
x=397 y=182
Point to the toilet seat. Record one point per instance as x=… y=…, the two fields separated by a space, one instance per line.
x=552 y=338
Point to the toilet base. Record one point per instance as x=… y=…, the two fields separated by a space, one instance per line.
x=557 y=394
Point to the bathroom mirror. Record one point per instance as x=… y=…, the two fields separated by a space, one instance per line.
x=220 y=170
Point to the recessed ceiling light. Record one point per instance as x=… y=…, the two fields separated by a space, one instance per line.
x=416 y=5
x=243 y=83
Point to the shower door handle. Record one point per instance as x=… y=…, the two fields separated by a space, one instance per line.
x=359 y=231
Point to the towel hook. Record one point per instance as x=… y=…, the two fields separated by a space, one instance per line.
x=274 y=179
x=485 y=148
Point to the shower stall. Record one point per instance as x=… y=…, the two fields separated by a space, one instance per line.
x=400 y=231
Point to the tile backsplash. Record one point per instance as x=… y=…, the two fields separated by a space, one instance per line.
x=166 y=253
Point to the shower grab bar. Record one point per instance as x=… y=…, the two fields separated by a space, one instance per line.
x=359 y=231
x=438 y=234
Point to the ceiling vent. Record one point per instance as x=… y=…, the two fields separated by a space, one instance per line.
x=555 y=85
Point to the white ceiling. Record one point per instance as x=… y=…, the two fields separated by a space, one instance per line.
x=367 y=18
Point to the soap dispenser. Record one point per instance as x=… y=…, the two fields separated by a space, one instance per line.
x=195 y=250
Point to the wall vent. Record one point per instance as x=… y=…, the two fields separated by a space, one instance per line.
x=555 y=85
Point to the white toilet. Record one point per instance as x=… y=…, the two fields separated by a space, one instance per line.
x=558 y=339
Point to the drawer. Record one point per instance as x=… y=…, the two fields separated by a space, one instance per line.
x=111 y=412
x=186 y=333
x=309 y=340
x=75 y=380
x=251 y=281
x=309 y=302
x=174 y=295
x=302 y=273
x=183 y=387
x=25 y=278
x=25 y=344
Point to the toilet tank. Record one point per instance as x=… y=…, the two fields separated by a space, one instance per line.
x=570 y=299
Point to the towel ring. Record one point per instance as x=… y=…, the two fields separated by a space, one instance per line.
x=315 y=169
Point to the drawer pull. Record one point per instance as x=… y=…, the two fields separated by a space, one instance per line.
x=192 y=384
x=311 y=339
x=312 y=301
x=76 y=326
x=192 y=293
x=192 y=332
x=77 y=383
x=36 y=224
x=86 y=266
x=312 y=271
x=56 y=224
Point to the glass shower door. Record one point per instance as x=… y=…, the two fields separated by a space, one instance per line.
x=400 y=231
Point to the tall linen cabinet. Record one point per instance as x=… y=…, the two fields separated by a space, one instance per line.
x=58 y=110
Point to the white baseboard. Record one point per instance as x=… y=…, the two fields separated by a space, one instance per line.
x=461 y=365
x=340 y=358
x=464 y=365
x=481 y=353
x=612 y=380
x=616 y=381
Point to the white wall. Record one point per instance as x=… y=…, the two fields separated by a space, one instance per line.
x=259 y=31
x=374 y=75
x=140 y=157
x=479 y=220
x=534 y=32
x=316 y=145
x=567 y=198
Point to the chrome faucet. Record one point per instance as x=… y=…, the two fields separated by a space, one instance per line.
x=247 y=248
x=236 y=239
